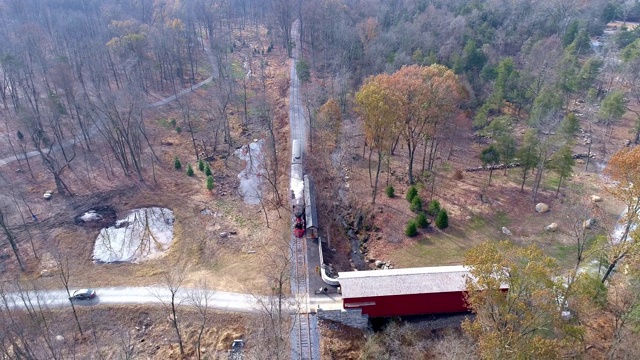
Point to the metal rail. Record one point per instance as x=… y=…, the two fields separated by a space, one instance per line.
x=305 y=350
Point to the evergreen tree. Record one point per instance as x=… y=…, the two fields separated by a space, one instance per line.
x=390 y=191
x=189 y=170
x=209 y=183
x=433 y=208
x=421 y=221
x=490 y=156
x=562 y=163
x=570 y=34
x=200 y=165
x=581 y=45
x=528 y=154
x=411 y=229
x=442 y=220
x=304 y=71
x=416 y=204
x=177 y=164
x=411 y=193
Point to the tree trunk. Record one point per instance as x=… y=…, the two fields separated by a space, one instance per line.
x=538 y=180
x=370 y=175
x=524 y=178
x=610 y=268
x=412 y=150
x=375 y=187
x=395 y=145
x=174 y=321
x=558 y=189
x=12 y=240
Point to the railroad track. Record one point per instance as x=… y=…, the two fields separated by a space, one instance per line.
x=305 y=350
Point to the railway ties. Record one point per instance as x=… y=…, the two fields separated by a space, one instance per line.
x=304 y=336
x=305 y=346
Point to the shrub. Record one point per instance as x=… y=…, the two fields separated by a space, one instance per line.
x=172 y=122
x=177 y=164
x=189 y=170
x=442 y=220
x=457 y=175
x=178 y=129
x=304 y=71
x=200 y=165
x=207 y=170
x=433 y=208
x=411 y=229
x=391 y=192
x=209 y=183
x=411 y=193
x=416 y=204
x=421 y=220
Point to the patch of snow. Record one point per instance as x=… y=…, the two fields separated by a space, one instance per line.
x=249 y=177
x=144 y=234
x=91 y=215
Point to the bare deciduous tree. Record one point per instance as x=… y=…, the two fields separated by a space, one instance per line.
x=12 y=240
x=173 y=280
x=64 y=272
x=200 y=298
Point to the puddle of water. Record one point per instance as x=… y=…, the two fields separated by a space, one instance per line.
x=250 y=176
x=144 y=234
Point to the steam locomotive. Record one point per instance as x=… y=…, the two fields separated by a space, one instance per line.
x=302 y=194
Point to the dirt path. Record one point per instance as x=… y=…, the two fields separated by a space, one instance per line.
x=221 y=300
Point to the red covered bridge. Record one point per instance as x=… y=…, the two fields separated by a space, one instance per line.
x=412 y=291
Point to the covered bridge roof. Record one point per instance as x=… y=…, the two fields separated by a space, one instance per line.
x=424 y=280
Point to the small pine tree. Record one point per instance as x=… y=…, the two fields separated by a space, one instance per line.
x=411 y=193
x=411 y=229
x=207 y=170
x=209 y=183
x=200 y=165
x=177 y=164
x=391 y=192
x=189 y=170
x=433 y=208
x=416 y=204
x=442 y=220
x=422 y=221
x=178 y=129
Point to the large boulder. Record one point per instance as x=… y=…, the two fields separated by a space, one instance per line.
x=596 y=198
x=542 y=207
x=589 y=223
x=551 y=227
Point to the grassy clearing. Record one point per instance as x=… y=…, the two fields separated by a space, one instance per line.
x=449 y=247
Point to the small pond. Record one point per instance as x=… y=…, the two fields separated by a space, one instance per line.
x=143 y=234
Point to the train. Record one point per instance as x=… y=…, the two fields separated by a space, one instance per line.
x=305 y=222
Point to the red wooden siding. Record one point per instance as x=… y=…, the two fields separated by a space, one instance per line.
x=412 y=304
